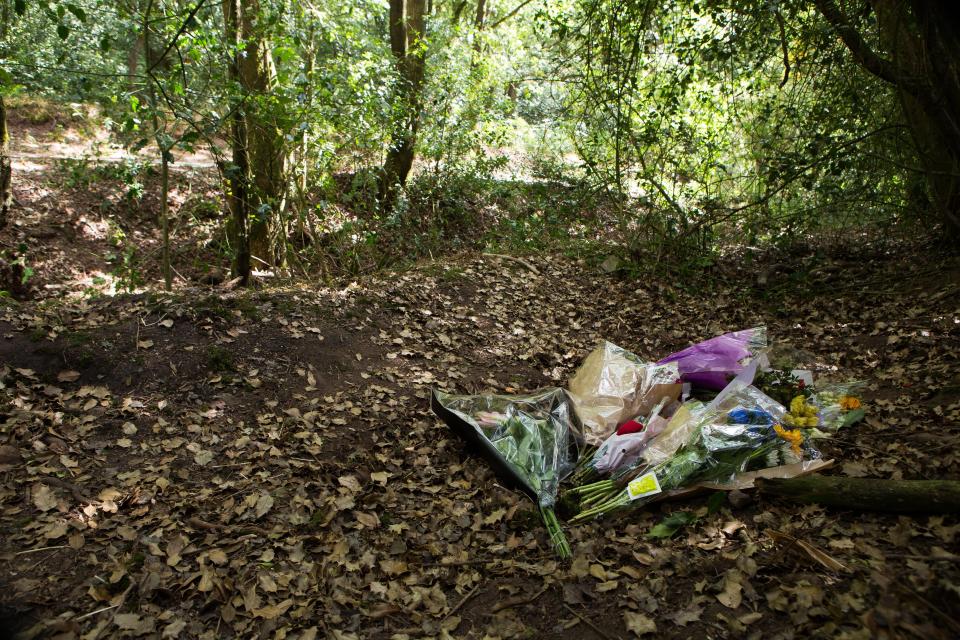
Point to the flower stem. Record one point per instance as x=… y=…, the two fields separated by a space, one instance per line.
x=560 y=544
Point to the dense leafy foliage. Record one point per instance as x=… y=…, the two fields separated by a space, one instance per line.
x=695 y=121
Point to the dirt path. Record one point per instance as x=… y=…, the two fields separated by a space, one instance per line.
x=45 y=133
x=267 y=464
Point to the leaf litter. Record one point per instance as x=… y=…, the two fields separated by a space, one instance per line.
x=266 y=464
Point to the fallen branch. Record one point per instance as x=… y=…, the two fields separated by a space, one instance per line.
x=514 y=259
x=867 y=494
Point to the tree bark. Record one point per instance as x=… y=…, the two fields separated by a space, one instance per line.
x=408 y=48
x=4 y=19
x=867 y=494
x=133 y=64
x=309 y=65
x=264 y=138
x=923 y=41
x=6 y=169
x=237 y=175
x=478 y=22
x=149 y=62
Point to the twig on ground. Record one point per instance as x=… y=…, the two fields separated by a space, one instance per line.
x=586 y=621
x=463 y=601
x=458 y=563
x=93 y=613
x=197 y=523
x=26 y=551
x=517 y=601
x=943 y=615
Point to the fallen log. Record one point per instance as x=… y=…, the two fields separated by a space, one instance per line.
x=867 y=494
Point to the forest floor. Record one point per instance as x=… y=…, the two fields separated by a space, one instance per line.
x=226 y=463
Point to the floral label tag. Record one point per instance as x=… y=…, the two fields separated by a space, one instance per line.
x=645 y=485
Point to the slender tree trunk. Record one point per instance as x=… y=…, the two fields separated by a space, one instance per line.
x=6 y=170
x=133 y=64
x=264 y=139
x=478 y=22
x=165 y=217
x=310 y=57
x=5 y=19
x=237 y=175
x=408 y=47
x=164 y=154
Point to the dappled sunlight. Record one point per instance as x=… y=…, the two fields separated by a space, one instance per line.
x=255 y=254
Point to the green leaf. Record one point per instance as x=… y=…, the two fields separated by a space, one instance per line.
x=715 y=501
x=20 y=6
x=671 y=524
x=63 y=31
x=77 y=11
x=852 y=417
x=188 y=138
x=105 y=44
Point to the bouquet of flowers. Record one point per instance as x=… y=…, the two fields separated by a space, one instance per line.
x=527 y=440
x=625 y=446
x=712 y=363
x=614 y=385
x=741 y=430
x=837 y=406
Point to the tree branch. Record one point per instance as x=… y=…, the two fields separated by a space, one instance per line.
x=867 y=57
x=176 y=36
x=784 y=48
x=511 y=14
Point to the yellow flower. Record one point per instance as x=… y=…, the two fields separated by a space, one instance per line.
x=797 y=405
x=848 y=403
x=793 y=436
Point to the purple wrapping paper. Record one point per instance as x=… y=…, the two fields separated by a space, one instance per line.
x=712 y=363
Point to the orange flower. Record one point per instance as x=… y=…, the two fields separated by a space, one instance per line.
x=849 y=403
x=793 y=436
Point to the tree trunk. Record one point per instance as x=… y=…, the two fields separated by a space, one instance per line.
x=478 y=22
x=408 y=47
x=237 y=175
x=309 y=66
x=162 y=147
x=923 y=40
x=264 y=138
x=6 y=170
x=867 y=494
x=133 y=64
x=165 y=218
x=5 y=19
